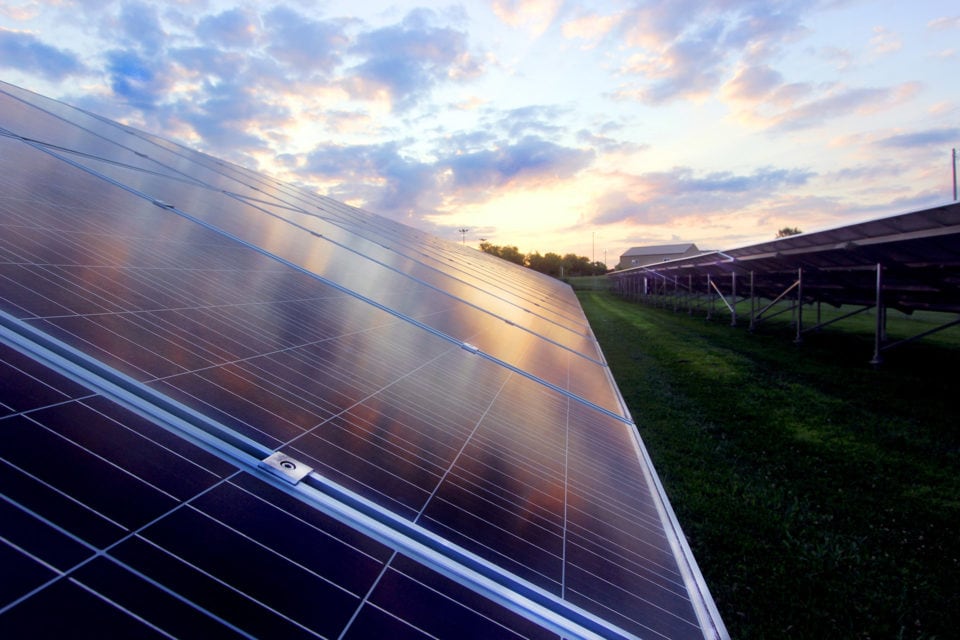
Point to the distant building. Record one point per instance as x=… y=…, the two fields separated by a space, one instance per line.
x=640 y=256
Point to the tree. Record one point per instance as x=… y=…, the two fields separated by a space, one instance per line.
x=552 y=264
x=507 y=253
x=512 y=254
x=788 y=231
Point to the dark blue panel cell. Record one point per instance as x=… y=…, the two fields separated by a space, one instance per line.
x=310 y=515
x=206 y=591
x=113 y=437
x=40 y=539
x=292 y=590
x=597 y=557
x=416 y=595
x=373 y=622
x=244 y=390
x=197 y=394
x=150 y=603
x=307 y=545
x=55 y=506
x=21 y=574
x=169 y=441
x=80 y=475
x=26 y=384
x=632 y=604
x=66 y=610
x=132 y=353
x=24 y=295
x=484 y=538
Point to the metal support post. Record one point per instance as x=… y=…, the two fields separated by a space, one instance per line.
x=753 y=304
x=733 y=294
x=710 y=295
x=799 y=337
x=878 y=334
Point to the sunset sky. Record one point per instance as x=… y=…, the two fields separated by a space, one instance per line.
x=553 y=126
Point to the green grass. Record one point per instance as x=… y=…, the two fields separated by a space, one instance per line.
x=821 y=496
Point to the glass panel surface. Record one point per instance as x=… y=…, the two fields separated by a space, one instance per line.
x=335 y=336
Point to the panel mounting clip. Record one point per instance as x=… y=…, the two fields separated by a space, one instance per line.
x=285 y=467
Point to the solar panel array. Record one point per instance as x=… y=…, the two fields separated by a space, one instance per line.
x=232 y=407
x=918 y=252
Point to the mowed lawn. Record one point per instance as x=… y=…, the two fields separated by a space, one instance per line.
x=819 y=494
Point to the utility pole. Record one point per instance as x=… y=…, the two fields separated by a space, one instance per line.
x=954 y=173
x=463 y=234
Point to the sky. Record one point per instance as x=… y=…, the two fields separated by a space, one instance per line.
x=572 y=127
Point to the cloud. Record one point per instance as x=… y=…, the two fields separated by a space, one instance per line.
x=657 y=197
x=686 y=68
x=230 y=115
x=378 y=175
x=137 y=80
x=25 y=52
x=304 y=44
x=535 y=16
x=930 y=137
x=592 y=28
x=944 y=23
x=839 y=101
x=885 y=41
x=654 y=24
x=796 y=106
x=235 y=28
x=210 y=63
x=761 y=29
x=408 y=60
x=841 y=58
x=608 y=145
x=530 y=159
x=533 y=119
x=388 y=182
x=686 y=49
x=753 y=83
x=140 y=25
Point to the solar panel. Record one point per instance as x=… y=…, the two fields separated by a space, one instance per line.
x=232 y=407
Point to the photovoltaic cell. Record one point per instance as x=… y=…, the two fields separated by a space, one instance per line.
x=169 y=320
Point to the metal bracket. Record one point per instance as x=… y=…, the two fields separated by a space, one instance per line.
x=285 y=467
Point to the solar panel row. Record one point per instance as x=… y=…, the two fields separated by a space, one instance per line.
x=170 y=321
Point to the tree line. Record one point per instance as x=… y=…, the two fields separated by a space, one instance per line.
x=552 y=264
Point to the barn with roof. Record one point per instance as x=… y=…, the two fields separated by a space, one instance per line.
x=639 y=256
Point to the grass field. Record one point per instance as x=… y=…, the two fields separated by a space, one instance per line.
x=821 y=496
